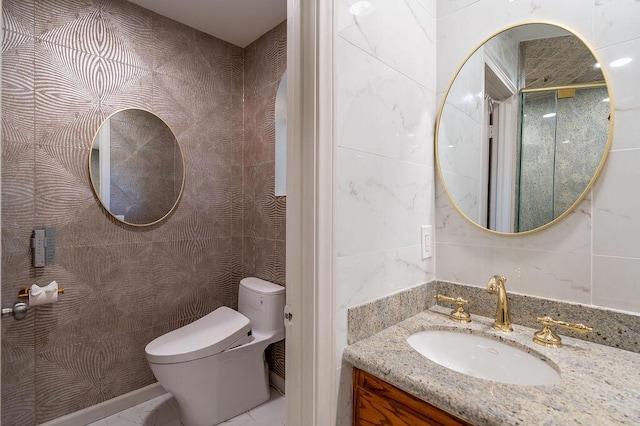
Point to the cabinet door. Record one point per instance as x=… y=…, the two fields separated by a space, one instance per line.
x=376 y=402
x=374 y=410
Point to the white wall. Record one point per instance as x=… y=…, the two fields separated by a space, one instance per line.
x=593 y=255
x=386 y=108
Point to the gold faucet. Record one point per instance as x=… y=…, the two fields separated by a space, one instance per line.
x=503 y=319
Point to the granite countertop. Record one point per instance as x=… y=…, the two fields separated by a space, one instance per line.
x=599 y=385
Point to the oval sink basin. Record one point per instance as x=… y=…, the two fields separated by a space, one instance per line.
x=484 y=358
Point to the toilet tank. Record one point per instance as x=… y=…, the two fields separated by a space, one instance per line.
x=263 y=303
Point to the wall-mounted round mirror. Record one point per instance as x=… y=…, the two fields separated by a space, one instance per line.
x=136 y=167
x=524 y=129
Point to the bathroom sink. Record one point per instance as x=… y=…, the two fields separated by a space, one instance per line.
x=484 y=358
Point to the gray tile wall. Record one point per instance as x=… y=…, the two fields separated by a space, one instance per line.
x=263 y=219
x=66 y=66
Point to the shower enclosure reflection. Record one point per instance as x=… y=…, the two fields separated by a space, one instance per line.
x=556 y=124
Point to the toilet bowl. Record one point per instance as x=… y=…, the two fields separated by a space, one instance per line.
x=215 y=366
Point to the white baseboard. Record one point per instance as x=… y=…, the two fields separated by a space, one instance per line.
x=128 y=400
x=108 y=408
x=277 y=382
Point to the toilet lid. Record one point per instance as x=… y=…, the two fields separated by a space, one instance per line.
x=261 y=286
x=207 y=336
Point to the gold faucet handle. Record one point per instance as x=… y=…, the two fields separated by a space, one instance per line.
x=458 y=300
x=546 y=337
x=580 y=328
x=458 y=314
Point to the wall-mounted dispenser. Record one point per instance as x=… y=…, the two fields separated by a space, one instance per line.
x=43 y=247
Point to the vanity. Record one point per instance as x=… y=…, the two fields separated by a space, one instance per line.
x=599 y=385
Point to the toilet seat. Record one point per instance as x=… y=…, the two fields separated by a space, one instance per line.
x=222 y=329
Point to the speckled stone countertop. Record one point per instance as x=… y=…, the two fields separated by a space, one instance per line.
x=599 y=385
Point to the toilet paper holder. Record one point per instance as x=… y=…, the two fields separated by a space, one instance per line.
x=24 y=293
x=19 y=309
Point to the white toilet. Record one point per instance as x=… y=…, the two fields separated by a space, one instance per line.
x=215 y=366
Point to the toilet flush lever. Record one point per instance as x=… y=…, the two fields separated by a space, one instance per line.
x=288 y=315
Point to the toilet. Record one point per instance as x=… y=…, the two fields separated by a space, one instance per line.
x=215 y=366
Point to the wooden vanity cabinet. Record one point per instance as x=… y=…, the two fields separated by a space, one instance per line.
x=376 y=402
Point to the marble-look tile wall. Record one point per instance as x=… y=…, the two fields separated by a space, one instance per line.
x=263 y=219
x=592 y=256
x=463 y=126
x=66 y=66
x=503 y=50
x=384 y=59
x=460 y=154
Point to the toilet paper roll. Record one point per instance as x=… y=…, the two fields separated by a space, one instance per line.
x=43 y=295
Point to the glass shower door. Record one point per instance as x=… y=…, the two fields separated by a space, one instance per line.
x=562 y=136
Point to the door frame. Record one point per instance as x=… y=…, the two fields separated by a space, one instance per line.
x=310 y=369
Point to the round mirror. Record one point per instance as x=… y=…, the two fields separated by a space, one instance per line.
x=524 y=129
x=136 y=167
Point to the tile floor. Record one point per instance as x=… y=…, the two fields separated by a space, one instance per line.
x=163 y=411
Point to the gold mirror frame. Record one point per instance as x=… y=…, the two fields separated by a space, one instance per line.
x=605 y=154
x=92 y=177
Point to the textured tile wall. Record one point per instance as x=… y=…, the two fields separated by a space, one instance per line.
x=557 y=61
x=68 y=64
x=263 y=219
